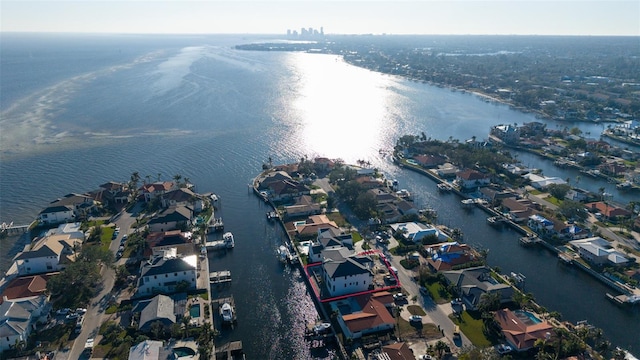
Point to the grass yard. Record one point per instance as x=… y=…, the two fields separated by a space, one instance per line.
x=472 y=326
x=338 y=218
x=438 y=292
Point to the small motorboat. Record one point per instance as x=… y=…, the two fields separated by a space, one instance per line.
x=322 y=327
x=226 y=311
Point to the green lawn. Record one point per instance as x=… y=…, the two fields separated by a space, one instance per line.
x=356 y=236
x=472 y=327
x=438 y=292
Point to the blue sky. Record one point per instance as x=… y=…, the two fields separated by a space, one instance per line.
x=520 y=17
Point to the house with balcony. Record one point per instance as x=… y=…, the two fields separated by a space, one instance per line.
x=57 y=214
x=49 y=254
x=329 y=238
x=18 y=319
x=345 y=273
x=310 y=227
x=471 y=179
x=519 y=210
x=182 y=197
x=80 y=203
x=158 y=243
x=598 y=251
x=155 y=190
x=540 y=224
x=167 y=274
x=303 y=206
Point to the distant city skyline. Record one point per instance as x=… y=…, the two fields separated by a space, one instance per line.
x=473 y=17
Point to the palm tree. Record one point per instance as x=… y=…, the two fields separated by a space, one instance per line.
x=186 y=320
x=440 y=348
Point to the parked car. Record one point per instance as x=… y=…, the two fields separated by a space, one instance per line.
x=81 y=311
x=72 y=316
x=415 y=318
x=64 y=311
x=503 y=349
x=124 y=238
x=399 y=296
x=426 y=357
x=424 y=291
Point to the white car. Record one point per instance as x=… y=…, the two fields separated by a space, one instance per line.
x=399 y=296
x=81 y=311
x=89 y=344
x=415 y=318
x=426 y=357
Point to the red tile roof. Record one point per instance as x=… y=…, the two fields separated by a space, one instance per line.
x=26 y=286
x=519 y=333
x=373 y=314
x=398 y=351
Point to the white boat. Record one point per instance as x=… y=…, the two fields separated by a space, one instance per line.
x=227 y=242
x=468 y=203
x=283 y=253
x=226 y=312
x=444 y=187
x=322 y=327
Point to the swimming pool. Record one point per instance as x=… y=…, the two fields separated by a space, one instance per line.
x=527 y=317
x=184 y=351
x=194 y=311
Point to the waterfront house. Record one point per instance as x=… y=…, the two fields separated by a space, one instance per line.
x=49 y=254
x=445 y=256
x=304 y=206
x=429 y=161
x=447 y=171
x=396 y=351
x=609 y=211
x=182 y=197
x=572 y=231
x=328 y=238
x=542 y=182
x=507 y=133
x=471 y=179
x=113 y=193
x=519 y=210
x=362 y=315
x=406 y=208
x=160 y=309
x=312 y=225
x=494 y=196
x=383 y=196
x=286 y=190
x=167 y=274
x=25 y=287
x=540 y=224
x=323 y=164
x=80 y=203
x=19 y=318
x=576 y=194
x=56 y=214
x=273 y=177
x=155 y=190
x=472 y=283
x=522 y=329
x=415 y=232
x=160 y=242
x=598 y=251
x=346 y=273
x=179 y=217
x=389 y=213
x=150 y=350
x=369 y=182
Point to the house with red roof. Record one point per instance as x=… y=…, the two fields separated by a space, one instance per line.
x=363 y=315
x=156 y=189
x=396 y=351
x=446 y=256
x=521 y=329
x=25 y=287
x=469 y=179
x=609 y=211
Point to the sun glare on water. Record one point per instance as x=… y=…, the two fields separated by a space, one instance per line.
x=342 y=109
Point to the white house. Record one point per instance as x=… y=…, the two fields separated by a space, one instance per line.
x=347 y=275
x=19 y=318
x=417 y=231
x=163 y=273
x=539 y=223
x=541 y=182
x=599 y=251
x=49 y=254
x=150 y=350
x=56 y=214
x=469 y=179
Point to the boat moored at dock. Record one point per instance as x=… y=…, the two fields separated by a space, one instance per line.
x=227 y=242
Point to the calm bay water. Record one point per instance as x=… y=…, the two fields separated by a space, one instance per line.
x=79 y=111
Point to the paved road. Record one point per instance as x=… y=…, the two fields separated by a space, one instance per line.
x=98 y=305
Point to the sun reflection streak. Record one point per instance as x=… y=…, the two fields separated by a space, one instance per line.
x=343 y=111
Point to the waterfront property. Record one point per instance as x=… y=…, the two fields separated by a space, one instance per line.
x=415 y=232
x=365 y=314
x=159 y=309
x=345 y=272
x=474 y=282
x=49 y=254
x=444 y=256
x=598 y=251
x=165 y=274
x=522 y=329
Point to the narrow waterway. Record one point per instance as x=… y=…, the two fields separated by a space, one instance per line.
x=556 y=286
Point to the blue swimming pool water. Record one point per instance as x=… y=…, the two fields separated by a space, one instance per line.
x=194 y=312
x=525 y=315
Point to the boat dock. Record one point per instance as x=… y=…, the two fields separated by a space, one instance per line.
x=215 y=224
x=220 y=277
x=497 y=221
x=229 y=351
x=227 y=242
x=217 y=307
x=529 y=240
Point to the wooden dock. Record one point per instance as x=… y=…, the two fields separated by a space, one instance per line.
x=220 y=277
x=229 y=351
x=529 y=240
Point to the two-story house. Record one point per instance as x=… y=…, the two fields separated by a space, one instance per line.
x=164 y=274
x=19 y=318
x=182 y=197
x=57 y=214
x=365 y=314
x=49 y=254
x=471 y=179
x=347 y=275
x=472 y=283
x=179 y=217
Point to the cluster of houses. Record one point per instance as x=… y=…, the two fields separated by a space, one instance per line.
x=170 y=267
x=358 y=287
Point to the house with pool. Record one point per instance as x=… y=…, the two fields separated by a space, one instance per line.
x=522 y=329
